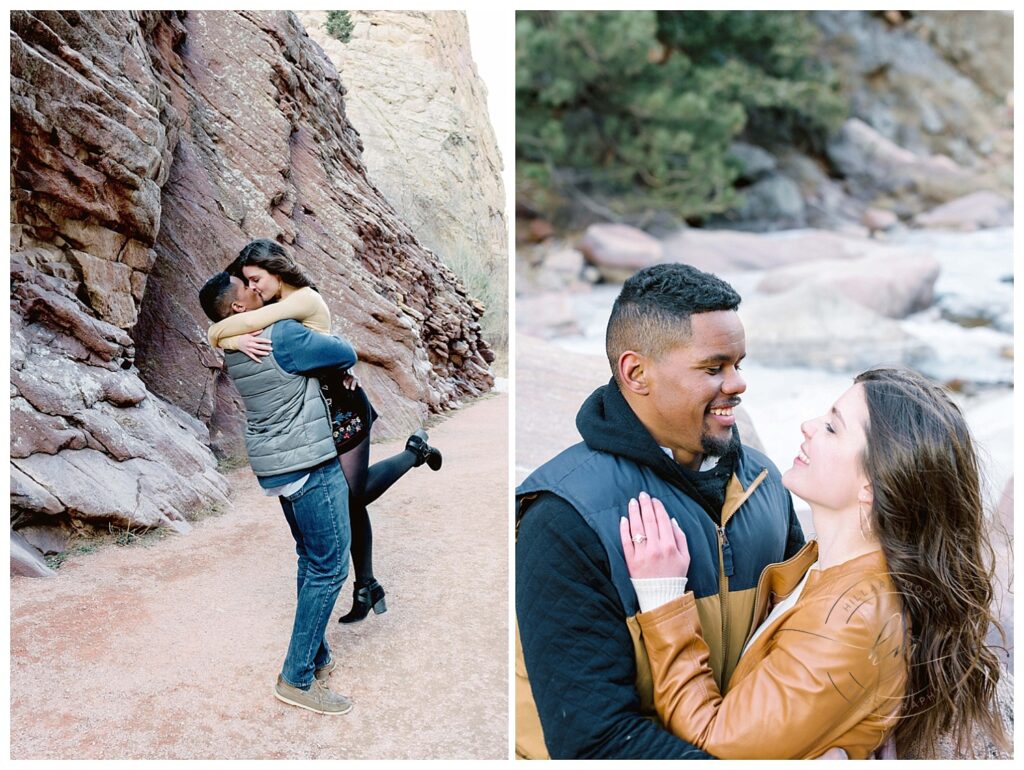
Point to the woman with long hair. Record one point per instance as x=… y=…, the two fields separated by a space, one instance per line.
x=289 y=293
x=878 y=628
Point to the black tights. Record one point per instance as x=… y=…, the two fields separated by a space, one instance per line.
x=365 y=484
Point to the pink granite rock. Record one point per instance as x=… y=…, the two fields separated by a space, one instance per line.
x=975 y=211
x=893 y=285
x=618 y=251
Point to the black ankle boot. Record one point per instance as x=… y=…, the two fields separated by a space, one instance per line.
x=425 y=453
x=365 y=597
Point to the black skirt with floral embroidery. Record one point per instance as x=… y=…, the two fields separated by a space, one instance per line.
x=351 y=412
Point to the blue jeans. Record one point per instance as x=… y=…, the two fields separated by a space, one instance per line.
x=318 y=517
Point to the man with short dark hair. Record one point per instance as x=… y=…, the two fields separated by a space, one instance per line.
x=291 y=450
x=664 y=425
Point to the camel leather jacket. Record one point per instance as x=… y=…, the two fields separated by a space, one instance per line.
x=829 y=672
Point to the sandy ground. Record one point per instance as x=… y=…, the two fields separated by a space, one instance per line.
x=170 y=651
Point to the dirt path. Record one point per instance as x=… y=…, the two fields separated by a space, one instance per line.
x=171 y=651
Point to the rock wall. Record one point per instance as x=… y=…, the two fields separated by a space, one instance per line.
x=146 y=149
x=935 y=83
x=414 y=95
x=930 y=120
x=930 y=98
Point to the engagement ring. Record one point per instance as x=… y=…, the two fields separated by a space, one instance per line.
x=638 y=538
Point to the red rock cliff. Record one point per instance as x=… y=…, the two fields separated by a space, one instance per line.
x=146 y=149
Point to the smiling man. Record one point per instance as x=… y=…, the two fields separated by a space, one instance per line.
x=663 y=425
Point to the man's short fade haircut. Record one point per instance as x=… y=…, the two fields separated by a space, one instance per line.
x=216 y=297
x=652 y=312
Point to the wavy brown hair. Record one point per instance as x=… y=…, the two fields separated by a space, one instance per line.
x=274 y=259
x=928 y=516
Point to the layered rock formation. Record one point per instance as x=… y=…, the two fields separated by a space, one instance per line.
x=935 y=84
x=931 y=117
x=147 y=149
x=414 y=96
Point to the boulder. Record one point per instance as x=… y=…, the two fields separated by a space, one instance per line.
x=560 y=270
x=88 y=440
x=878 y=167
x=618 y=251
x=46 y=540
x=723 y=251
x=28 y=495
x=545 y=315
x=807 y=327
x=135 y=493
x=26 y=560
x=755 y=162
x=892 y=284
x=772 y=203
x=860 y=150
x=974 y=211
x=879 y=220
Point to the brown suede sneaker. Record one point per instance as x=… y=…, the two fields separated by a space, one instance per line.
x=317 y=698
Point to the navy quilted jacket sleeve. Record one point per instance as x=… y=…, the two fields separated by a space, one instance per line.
x=576 y=645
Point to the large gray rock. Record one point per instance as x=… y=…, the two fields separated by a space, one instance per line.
x=773 y=203
x=47 y=540
x=89 y=442
x=561 y=269
x=722 y=251
x=755 y=161
x=807 y=327
x=547 y=314
x=877 y=166
x=552 y=266
x=975 y=211
x=827 y=205
x=890 y=283
x=26 y=560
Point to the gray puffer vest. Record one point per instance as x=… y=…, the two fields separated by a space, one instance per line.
x=287 y=427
